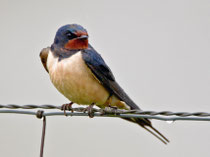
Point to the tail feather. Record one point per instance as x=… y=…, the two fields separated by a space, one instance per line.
x=146 y=124
x=159 y=133
x=164 y=141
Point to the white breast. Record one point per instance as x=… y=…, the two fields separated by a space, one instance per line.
x=73 y=79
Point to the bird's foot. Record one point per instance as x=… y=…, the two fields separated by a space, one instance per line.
x=112 y=109
x=68 y=107
x=90 y=111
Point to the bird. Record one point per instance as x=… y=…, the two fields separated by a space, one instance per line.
x=79 y=72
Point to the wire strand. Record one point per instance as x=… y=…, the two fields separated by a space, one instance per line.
x=108 y=112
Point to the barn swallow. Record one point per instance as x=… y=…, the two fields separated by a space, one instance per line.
x=82 y=76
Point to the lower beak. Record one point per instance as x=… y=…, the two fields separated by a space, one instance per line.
x=83 y=37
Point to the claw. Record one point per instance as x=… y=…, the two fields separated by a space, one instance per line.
x=89 y=109
x=68 y=107
x=113 y=109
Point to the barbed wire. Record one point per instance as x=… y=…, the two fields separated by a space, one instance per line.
x=108 y=112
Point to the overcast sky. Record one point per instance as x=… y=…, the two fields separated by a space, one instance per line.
x=158 y=50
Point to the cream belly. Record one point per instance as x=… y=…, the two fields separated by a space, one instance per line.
x=75 y=81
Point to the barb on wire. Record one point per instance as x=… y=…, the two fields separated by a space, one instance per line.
x=110 y=112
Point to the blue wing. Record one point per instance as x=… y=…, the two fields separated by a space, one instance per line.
x=103 y=73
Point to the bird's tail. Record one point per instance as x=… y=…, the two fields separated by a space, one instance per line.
x=147 y=125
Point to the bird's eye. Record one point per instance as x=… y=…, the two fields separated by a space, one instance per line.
x=70 y=35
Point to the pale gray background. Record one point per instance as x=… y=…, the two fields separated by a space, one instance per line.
x=158 y=50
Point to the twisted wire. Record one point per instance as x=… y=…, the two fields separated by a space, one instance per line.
x=109 y=110
x=29 y=106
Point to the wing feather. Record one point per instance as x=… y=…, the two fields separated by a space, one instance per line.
x=103 y=73
x=43 y=56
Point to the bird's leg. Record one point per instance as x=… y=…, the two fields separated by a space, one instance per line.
x=109 y=102
x=68 y=107
x=113 y=109
x=110 y=108
x=90 y=111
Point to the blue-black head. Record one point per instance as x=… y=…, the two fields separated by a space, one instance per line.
x=71 y=37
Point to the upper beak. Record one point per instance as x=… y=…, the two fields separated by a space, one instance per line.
x=83 y=37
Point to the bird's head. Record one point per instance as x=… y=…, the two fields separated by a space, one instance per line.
x=71 y=37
